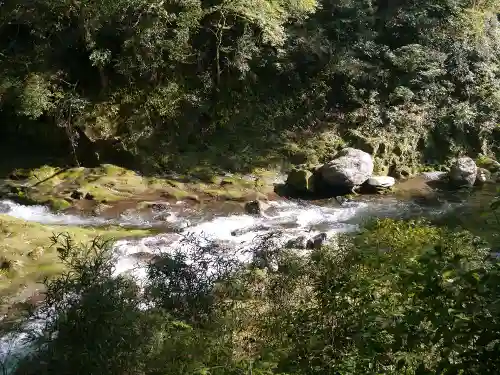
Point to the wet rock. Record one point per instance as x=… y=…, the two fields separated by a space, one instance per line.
x=5 y=264
x=4 y=208
x=77 y=195
x=400 y=172
x=10 y=265
x=100 y=209
x=297 y=243
x=89 y=197
x=381 y=182
x=342 y=200
x=301 y=180
x=434 y=176
x=242 y=231
x=36 y=253
x=483 y=176
x=488 y=163
x=317 y=241
x=350 y=167
x=463 y=172
x=143 y=256
x=255 y=207
x=159 y=206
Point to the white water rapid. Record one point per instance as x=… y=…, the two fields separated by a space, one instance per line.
x=238 y=232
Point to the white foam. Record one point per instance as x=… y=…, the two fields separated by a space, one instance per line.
x=42 y=214
x=301 y=218
x=290 y=219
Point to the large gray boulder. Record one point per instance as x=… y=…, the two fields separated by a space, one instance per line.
x=463 y=172
x=351 y=167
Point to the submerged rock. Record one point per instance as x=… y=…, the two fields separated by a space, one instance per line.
x=463 y=172
x=255 y=228
x=350 y=167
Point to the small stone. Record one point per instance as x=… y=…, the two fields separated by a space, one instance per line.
x=89 y=197
x=4 y=208
x=5 y=264
x=255 y=207
x=76 y=195
x=434 y=176
x=381 y=181
x=317 y=241
x=159 y=207
x=36 y=253
x=297 y=243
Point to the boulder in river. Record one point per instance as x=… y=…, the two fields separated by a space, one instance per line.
x=301 y=180
x=77 y=195
x=488 y=163
x=317 y=241
x=463 y=172
x=434 y=175
x=350 y=167
x=255 y=207
x=4 y=208
x=483 y=176
x=297 y=243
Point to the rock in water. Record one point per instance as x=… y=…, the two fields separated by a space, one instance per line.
x=301 y=180
x=255 y=207
x=488 y=163
x=434 y=176
x=297 y=243
x=381 y=182
x=317 y=241
x=483 y=176
x=4 y=208
x=77 y=195
x=463 y=172
x=351 y=167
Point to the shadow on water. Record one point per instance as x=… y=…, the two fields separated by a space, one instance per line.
x=474 y=213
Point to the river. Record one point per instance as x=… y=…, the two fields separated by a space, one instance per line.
x=288 y=219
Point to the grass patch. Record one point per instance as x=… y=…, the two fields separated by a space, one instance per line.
x=26 y=256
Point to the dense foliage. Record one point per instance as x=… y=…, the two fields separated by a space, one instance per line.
x=186 y=82
x=399 y=298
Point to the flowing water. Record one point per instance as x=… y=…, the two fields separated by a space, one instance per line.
x=237 y=231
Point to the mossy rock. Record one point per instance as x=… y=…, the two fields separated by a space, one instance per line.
x=488 y=163
x=26 y=246
x=301 y=180
x=57 y=204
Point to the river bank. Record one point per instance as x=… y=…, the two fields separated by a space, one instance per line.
x=118 y=203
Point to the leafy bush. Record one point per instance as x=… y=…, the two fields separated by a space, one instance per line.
x=399 y=298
